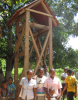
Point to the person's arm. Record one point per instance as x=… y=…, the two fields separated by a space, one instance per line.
x=19 y=89
x=46 y=92
x=34 y=90
x=75 y=90
x=64 y=88
x=62 y=78
x=59 y=94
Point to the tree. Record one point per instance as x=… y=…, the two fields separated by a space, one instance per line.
x=7 y=9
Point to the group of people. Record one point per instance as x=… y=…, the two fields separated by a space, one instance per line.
x=43 y=86
x=7 y=90
x=46 y=86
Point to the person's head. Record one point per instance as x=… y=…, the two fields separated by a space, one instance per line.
x=10 y=80
x=52 y=72
x=29 y=73
x=40 y=72
x=51 y=91
x=69 y=71
x=65 y=69
x=5 y=84
x=45 y=68
x=72 y=73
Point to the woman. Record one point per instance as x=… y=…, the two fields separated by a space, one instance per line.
x=28 y=86
x=54 y=82
x=40 y=79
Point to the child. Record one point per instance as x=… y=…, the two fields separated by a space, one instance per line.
x=70 y=85
x=40 y=84
x=73 y=73
x=11 y=89
x=4 y=91
x=51 y=94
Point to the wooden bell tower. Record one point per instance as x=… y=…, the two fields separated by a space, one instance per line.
x=43 y=20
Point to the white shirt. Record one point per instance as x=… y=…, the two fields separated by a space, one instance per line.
x=64 y=75
x=40 y=86
x=28 y=88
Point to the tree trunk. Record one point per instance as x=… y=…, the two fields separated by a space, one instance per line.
x=9 y=60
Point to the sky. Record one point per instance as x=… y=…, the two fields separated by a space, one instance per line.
x=73 y=41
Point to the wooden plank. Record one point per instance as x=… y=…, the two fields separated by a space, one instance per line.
x=26 y=57
x=39 y=26
x=47 y=37
x=35 y=46
x=50 y=44
x=38 y=12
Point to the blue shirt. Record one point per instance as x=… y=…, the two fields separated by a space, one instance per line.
x=11 y=88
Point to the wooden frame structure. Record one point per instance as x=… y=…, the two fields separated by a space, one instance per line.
x=44 y=20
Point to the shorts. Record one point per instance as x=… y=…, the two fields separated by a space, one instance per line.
x=70 y=95
x=65 y=92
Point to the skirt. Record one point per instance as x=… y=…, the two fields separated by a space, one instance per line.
x=40 y=98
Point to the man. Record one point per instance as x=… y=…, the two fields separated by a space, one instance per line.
x=63 y=76
x=70 y=85
x=45 y=71
x=53 y=81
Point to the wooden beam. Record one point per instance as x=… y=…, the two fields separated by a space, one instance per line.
x=16 y=76
x=32 y=48
x=35 y=46
x=47 y=37
x=45 y=53
x=26 y=57
x=39 y=26
x=19 y=54
x=48 y=12
x=34 y=4
x=38 y=12
x=50 y=44
x=41 y=34
x=20 y=28
x=45 y=7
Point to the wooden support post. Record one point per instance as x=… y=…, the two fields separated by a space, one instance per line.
x=50 y=44
x=26 y=56
x=16 y=76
